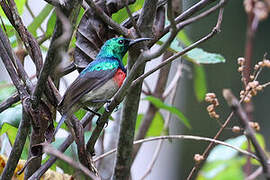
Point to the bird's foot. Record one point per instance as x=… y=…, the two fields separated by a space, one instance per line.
x=98 y=123
x=92 y=111
x=93 y=153
x=117 y=108
x=101 y=101
x=107 y=108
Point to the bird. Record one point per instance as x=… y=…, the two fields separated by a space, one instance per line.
x=99 y=81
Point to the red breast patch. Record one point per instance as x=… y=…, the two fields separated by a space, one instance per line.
x=119 y=77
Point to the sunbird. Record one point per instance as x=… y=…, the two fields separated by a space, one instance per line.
x=99 y=81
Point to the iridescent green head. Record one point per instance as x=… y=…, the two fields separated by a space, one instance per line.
x=117 y=47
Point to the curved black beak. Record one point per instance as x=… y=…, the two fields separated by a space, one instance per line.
x=134 y=41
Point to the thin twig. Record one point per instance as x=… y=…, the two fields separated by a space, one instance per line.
x=210 y=146
x=154 y=159
x=189 y=137
x=55 y=3
x=132 y=20
x=189 y=12
x=255 y=174
x=174 y=82
x=17 y=149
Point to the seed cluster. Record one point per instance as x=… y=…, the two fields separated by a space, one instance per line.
x=251 y=90
x=198 y=158
x=236 y=129
x=259 y=8
x=255 y=126
x=253 y=86
x=211 y=98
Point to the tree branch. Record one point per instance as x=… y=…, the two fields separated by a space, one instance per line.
x=17 y=148
x=249 y=132
x=24 y=124
x=48 y=149
x=254 y=174
x=55 y=3
x=9 y=101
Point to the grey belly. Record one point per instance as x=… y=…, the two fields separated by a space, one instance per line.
x=105 y=92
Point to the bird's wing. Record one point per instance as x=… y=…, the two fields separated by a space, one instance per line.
x=84 y=84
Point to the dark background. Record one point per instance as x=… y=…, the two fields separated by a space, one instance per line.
x=230 y=42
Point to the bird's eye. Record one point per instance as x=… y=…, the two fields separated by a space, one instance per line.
x=121 y=41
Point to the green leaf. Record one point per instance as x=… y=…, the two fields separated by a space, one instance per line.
x=156 y=126
x=138 y=121
x=125 y=59
x=261 y=141
x=182 y=36
x=11 y=116
x=50 y=25
x=38 y=20
x=11 y=132
x=200 y=56
x=20 y=7
x=259 y=138
x=80 y=113
x=122 y=14
x=80 y=16
x=199 y=82
x=224 y=163
x=6 y=90
x=223 y=170
x=221 y=152
x=87 y=135
x=9 y=29
x=159 y=104
x=25 y=151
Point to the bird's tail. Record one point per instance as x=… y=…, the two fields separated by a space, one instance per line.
x=62 y=120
